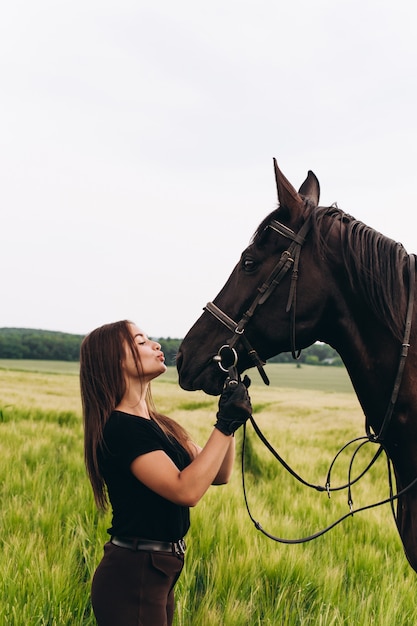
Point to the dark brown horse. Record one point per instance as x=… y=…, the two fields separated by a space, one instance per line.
x=315 y=273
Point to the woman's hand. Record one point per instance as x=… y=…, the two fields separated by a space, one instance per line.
x=235 y=406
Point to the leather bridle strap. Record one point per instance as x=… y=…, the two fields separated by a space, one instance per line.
x=403 y=356
x=239 y=335
x=289 y=258
x=299 y=239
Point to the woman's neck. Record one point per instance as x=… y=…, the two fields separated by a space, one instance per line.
x=134 y=398
x=135 y=404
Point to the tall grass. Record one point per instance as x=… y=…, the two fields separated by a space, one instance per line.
x=51 y=535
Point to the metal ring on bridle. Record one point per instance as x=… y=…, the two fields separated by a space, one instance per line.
x=223 y=362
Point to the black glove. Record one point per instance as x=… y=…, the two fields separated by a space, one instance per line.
x=234 y=406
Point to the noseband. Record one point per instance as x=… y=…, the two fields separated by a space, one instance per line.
x=289 y=259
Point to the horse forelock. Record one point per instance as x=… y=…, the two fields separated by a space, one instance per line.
x=279 y=214
x=260 y=231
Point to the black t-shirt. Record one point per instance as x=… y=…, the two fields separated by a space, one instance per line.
x=137 y=510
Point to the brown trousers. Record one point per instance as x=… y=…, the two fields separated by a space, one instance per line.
x=135 y=588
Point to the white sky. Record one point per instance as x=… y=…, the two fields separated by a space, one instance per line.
x=137 y=137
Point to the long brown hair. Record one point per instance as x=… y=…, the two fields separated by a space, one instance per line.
x=102 y=389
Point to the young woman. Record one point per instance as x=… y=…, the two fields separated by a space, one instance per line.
x=145 y=465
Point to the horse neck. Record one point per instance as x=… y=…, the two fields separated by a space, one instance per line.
x=368 y=348
x=370 y=276
x=369 y=360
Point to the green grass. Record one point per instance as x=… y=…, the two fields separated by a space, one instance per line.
x=51 y=534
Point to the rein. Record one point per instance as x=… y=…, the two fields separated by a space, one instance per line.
x=392 y=497
x=390 y=500
x=227 y=353
x=404 y=352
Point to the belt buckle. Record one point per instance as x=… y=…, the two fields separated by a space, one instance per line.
x=180 y=547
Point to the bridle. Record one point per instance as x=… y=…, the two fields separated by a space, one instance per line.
x=227 y=358
x=288 y=259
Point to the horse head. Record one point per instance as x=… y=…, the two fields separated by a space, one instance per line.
x=267 y=293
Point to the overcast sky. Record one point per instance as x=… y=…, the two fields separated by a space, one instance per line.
x=137 y=137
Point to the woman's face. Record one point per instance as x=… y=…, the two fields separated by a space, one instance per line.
x=151 y=357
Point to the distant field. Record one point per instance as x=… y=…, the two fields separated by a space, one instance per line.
x=52 y=367
x=54 y=385
x=292 y=375
x=280 y=374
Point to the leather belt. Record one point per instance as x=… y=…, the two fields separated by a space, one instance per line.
x=149 y=545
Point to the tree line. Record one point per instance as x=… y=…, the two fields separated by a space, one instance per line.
x=47 y=345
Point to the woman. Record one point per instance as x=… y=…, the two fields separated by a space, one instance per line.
x=145 y=465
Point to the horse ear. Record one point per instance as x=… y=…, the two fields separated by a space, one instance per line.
x=287 y=196
x=310 y=188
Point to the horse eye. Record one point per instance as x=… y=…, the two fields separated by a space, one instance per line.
x=248 y=265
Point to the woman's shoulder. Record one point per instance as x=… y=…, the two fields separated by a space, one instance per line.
x=129 y=435
x=126 y=421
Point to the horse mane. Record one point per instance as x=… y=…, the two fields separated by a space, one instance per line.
x=375 y=265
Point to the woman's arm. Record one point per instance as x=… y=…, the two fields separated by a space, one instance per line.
x=213 y=464
x=158 y=472
x=226 y=468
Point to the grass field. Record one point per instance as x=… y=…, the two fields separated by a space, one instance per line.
x=51 y=535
